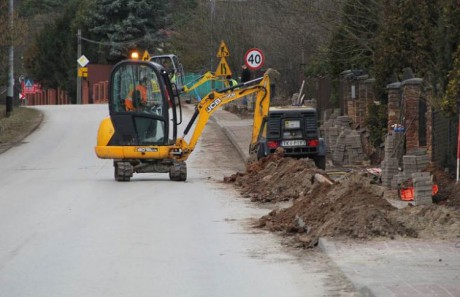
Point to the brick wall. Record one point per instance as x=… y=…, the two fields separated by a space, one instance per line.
x=356 y=107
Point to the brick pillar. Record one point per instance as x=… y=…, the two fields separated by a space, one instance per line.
x=346 y=93
x=394 y=104
x=412 y=89
x=351 y=102
x=361 y=100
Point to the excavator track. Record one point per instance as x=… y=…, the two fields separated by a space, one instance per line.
x=178 y=171
x=123 y=171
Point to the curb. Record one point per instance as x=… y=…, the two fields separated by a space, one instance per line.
x=327 y=247
x=232 y=139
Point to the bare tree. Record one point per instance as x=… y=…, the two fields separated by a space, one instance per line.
x=9 y=36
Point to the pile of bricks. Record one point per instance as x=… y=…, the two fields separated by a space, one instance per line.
x=423 y=187
x=394 y=145
x=390 y=169
x=413 y=163
x=343 y=143
x=412 y=170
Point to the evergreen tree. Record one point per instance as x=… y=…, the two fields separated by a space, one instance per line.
x=406 y=40
x=34 y=7
x=126 y=25
x=51 y=59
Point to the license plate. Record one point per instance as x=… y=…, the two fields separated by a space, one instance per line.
x=292 y=124
x=293 y=143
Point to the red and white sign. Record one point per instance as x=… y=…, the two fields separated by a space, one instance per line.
x=29 y=87
x=254 y=58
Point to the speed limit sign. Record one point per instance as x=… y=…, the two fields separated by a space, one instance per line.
x=254 y=58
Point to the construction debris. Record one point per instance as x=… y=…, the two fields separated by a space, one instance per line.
x=352 y=206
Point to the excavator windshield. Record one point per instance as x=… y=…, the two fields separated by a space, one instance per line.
x=140 y=104
x=136 y=88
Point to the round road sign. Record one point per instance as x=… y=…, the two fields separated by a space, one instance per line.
x=254 y=58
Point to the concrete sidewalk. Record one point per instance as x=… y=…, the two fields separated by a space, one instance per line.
x=384 y=268
x=237 y=130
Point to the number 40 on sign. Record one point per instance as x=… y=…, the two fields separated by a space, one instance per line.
x=254 y=58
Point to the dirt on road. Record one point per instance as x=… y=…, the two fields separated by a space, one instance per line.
x=352 y=206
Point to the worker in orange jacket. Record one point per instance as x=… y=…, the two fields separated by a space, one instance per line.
x=137 y=97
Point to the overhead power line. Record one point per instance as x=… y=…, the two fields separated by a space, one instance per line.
x=110 y=43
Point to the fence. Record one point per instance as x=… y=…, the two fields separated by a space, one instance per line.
x=445 y=140
x=47 y=97
x=100 y=92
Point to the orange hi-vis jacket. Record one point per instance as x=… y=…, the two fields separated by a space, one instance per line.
x=129 y=100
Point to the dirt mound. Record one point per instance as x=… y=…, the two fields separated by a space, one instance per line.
x=275 y=178
x=352 y=207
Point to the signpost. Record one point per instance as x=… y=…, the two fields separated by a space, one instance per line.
x=254 y=58
x=83 y=61
x=223 y=69
x=223 y=50
x=83 y=72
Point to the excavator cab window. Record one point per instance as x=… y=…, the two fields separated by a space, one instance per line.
x=140 y=105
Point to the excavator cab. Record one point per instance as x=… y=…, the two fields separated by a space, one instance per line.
x=141 y=105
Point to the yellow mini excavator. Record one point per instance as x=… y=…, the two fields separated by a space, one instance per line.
x=140 y=134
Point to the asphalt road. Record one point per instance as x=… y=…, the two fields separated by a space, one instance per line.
x=68 y=229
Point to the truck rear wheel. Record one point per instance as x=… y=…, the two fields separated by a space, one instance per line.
x=320 y=162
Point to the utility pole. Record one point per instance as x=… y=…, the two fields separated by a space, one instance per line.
x=78 y=67
x=10 y=92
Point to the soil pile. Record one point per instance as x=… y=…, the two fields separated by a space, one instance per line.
x=351 y=207
x=276 y=179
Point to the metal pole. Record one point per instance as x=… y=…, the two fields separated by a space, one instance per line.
x=10 y=92
x=78 y=67
x=458 y=150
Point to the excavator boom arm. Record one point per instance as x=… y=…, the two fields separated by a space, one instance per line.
x=214 y=100
x=208 y=76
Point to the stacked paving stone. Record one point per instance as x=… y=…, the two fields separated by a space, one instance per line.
x=393 y=152
x=411 y=164
x=343 y=143
x=348 y=149
x=398 y=180
x=330 y=130
x=343 y=121
x=422 y=188
x=330 y=133
x=390 y=169
x=338 y=148
x=353 y=148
